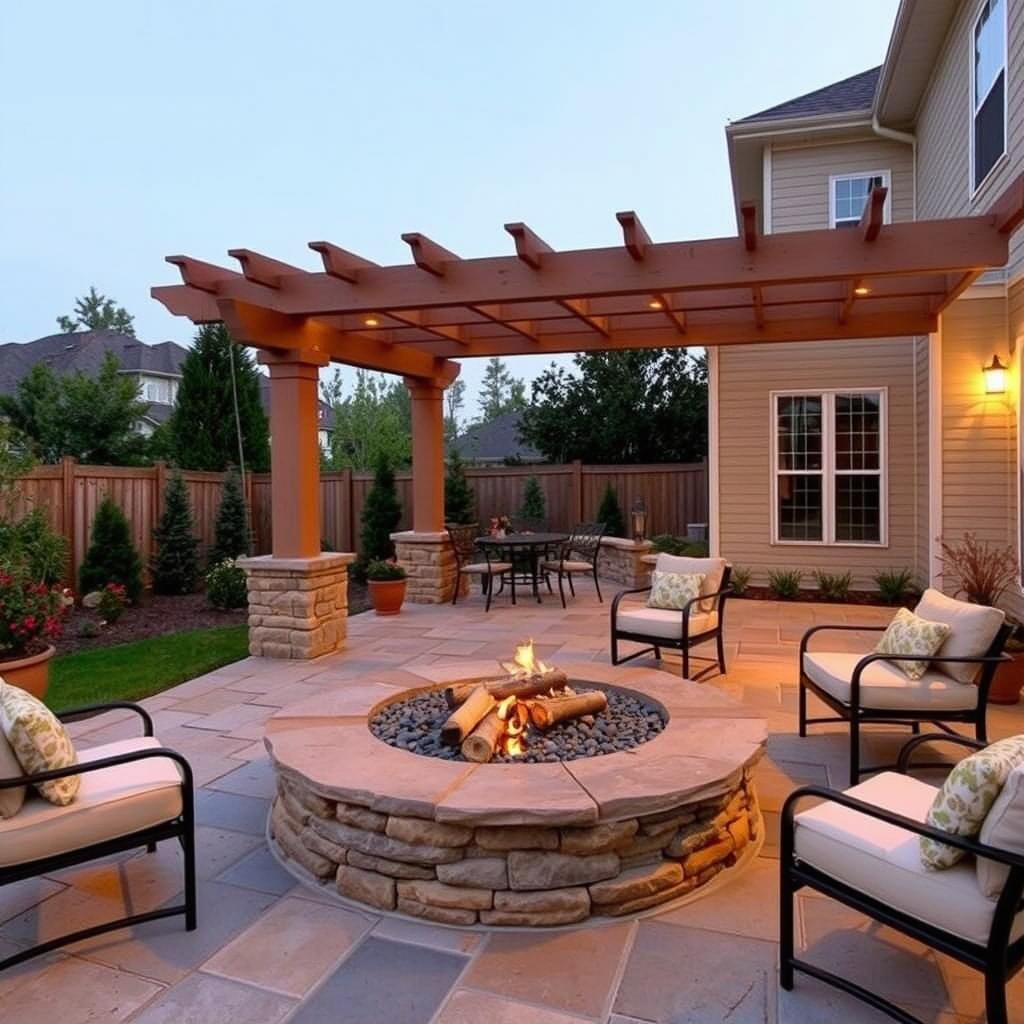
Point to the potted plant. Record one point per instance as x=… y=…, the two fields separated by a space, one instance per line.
x=982 y=572
x=31 y=616
x=386 y=581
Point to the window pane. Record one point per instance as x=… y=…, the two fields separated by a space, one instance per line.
x=800 y=509
x=858 y=425
x=850 y=196
x=989 y=49
x=799 y=432
x=859 y=508
x=989 y=141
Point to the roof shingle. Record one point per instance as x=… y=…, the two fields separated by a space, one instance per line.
x=854 y=93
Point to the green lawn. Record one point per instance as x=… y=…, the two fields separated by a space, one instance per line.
x=142 y=668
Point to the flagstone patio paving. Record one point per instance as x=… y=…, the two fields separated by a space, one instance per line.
x=268 y=949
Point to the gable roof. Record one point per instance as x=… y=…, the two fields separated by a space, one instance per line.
x=852 y=94
x=496 y=441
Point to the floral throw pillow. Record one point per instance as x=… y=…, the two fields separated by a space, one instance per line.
x=39 y=741
x=910 y=634
x=673 y=590
x=967 y=796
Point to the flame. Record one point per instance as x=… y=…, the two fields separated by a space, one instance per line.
x=525 y=662
x=514 y=714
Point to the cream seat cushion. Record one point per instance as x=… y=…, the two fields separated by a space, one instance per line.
x=973 y=627
x=882 y=685
x=483 y=567
x=713 y=569
x=883 y=861
x=111 y=802
x=10 y=768
x=1004 y=828
x=661 y=622
x=569 y=565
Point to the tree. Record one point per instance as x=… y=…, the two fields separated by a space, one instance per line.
x=373 y=422
x=610 y=513
x=94 y=312
x=203 y=433
x=621 y=407
x=90 y=418
x=231 y=531
x=454 y=400
x=459 y=500
x=176 y=563
x=500 y=392
x=534 y=506
x=381 y=514
x=111 y=557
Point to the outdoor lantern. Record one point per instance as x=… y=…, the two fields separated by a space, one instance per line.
x=995 y=377
x=639 y=516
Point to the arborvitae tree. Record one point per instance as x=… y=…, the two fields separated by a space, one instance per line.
x=176 y=563
x=611 y=514
x=231 y=534
x=459 y=502
x=381 y=514
x=534 y=506
x=111 y=557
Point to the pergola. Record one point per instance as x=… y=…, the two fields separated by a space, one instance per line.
x=882 y=280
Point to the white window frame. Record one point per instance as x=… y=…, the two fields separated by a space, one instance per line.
x=828 y=471
x=973 y=108
x=886 y=177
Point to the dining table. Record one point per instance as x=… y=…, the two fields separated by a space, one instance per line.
x=526 y=548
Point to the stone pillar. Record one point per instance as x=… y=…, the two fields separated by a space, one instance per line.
x=427 y=455
x=430 y=565
x=298 y=607
x=628 y=562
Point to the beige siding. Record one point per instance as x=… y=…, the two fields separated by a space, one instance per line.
x=800 y=179
x=921 y=463
x=748 y=374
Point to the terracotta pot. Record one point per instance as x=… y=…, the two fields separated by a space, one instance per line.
x=387 y=596
x=31 y=673
x=1009 y=679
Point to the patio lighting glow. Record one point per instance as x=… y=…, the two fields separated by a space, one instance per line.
x=654 y=304
x=995 y=377
x=371 y=321
x=862 y=289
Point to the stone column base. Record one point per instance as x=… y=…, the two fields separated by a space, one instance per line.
x=430 y=565
x=298 y=607
x=627 y=562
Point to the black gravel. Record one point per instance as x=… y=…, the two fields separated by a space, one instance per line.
x=415 y=724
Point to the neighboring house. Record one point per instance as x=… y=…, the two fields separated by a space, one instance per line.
x=860 y=455
x=496 y=443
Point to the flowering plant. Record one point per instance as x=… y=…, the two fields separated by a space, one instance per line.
x=500 y=525
x=113 y=601
x=31 y=614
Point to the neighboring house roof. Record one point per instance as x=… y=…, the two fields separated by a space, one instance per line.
x=496 y=441
x=325 y=420
x=851 y=95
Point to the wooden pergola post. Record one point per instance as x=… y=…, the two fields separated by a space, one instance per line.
x=427 y=455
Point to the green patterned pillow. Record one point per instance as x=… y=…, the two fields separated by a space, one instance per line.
x=910 y=634
x=673 y=590
x=39 y=741
x=967 y=796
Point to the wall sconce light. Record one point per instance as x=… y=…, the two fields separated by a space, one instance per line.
x=995 y=377
x=638 y=515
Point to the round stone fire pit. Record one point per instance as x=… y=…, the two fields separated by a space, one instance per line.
x=555 y=842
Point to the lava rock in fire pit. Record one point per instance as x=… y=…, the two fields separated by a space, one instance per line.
x=414 y=724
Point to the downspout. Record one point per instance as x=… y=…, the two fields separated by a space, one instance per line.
x=907 y=139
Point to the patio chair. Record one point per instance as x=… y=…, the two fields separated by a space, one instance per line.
x=861 y=847
x=468 y=563
x=578 y=556
x=871 y=688
x=700 y=620
x=133 y=793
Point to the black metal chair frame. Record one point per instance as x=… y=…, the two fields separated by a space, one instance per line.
x=858 y=716
x=585 y=539
x=686 y=640
x=486 y=582
x=181 y=828
x=998 y=960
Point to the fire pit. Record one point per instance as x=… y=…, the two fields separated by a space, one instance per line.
x=550 y=816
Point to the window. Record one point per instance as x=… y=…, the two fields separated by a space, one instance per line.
x=829 y=467
x=848 y=194
x=988 y=90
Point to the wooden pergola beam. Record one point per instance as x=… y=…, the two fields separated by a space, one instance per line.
x=676 y=316
x=262 y=269
x=428 y=255
x=748 y=216
x=1008 y=209
x=530 y=247
x=201 y=275
x=874 y=213
x=580 y=308
x=634 y=234
x=341 y=263
x=758 y=297
x=414 y=318
x=493 y=313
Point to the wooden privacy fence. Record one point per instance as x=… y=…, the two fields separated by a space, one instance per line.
x=676 y=494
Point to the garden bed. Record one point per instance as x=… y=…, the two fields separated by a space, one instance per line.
x=858 y=597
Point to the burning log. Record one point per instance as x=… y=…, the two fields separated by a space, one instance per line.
x=546 y=713
x=466 y=717
x=480 y=745
x=508 y=686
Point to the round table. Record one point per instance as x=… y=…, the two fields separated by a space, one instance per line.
x=530 y=545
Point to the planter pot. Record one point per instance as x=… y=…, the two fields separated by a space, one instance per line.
x=387 y=596
x=1009 y=679
x=31 y=673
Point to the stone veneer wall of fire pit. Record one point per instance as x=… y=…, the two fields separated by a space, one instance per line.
x=517 y=845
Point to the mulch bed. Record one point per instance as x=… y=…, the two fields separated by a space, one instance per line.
x=860 y=597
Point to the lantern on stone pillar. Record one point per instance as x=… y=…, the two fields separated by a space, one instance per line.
x=638 y=515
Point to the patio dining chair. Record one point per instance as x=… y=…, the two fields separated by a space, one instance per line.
x=133 y=793
x=862 y=848
x=864 y=689
x=578 y=556
x=471 y=560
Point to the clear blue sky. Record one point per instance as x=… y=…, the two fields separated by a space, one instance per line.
x=131 y=129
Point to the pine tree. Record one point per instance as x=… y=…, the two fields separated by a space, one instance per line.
x=231 y=534
x=176 y=563
x=459 y=500
x=610 y=513
x=500 y=392
x=534 y=506
x=94 y=312
x=381 y=514
x=111 y=557
x=202 y=428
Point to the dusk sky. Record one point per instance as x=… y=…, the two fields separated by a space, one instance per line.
x=134 y=129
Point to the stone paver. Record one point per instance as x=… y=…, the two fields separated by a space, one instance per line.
x=711 y=960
